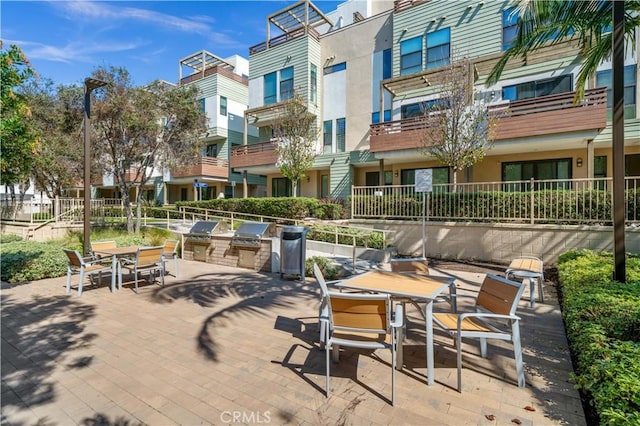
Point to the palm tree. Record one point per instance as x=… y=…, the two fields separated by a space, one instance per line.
x=548 y=22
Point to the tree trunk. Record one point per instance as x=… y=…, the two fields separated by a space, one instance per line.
x=455 y=179
x=294 y=188
x=127 y=207
x=138 y=207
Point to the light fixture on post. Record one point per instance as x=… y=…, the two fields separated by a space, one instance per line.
x=89 y=85
x=395 y=173
x=579 y=162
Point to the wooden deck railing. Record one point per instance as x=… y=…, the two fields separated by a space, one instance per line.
x=283 y=38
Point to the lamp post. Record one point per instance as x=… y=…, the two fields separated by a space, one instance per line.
x=89 y=85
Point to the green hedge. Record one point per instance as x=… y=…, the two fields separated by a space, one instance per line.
x=569 y=207
x=326 y=233
x=284 y=207
x=602 y=318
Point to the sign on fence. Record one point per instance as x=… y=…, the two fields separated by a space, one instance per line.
x=424 y=180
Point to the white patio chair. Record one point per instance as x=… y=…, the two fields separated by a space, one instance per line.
x=148 y=259
x=170 y=252
x=495 y=304
x=84 y=266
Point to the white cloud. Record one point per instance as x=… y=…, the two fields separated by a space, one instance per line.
x=72 y=52
x=104 y=11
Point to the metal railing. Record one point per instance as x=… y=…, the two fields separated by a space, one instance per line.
x=560 y=201
x=57 y=210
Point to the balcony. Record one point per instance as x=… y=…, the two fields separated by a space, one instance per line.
x=256 y=154
x=214 y=70
x=546 y=115
x=283 y=38
x=207 y=167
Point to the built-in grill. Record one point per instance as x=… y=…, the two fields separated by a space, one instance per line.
x=250 y=234
x=203 y=229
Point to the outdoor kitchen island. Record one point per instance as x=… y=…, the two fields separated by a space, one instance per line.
x=251 y=246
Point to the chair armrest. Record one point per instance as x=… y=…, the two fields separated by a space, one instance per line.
x=95 y=261
x=482 y=315
x=398 y=317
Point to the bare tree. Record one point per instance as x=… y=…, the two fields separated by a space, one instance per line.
x=142 y=129
x=296 y=133
x=459 y=127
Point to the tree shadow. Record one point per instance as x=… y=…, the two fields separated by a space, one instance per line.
x=37 y=336
x=100 y=419
x=236 y=295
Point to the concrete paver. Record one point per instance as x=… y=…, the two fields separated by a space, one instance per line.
x=224 y=345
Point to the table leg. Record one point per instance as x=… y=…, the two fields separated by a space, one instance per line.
x=428 y=313
x=114 y=262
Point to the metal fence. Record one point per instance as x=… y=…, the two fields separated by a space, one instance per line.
x=559 y=201
x=58 y=210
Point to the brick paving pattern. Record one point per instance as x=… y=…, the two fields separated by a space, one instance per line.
x=223 y=345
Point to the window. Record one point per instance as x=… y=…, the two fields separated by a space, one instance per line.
x=281 y=187
x=201 y=102
x=270 y=89
x=411 y=55
x=223 y=105
x=335 y=68
x=509 y=27
x=438 y=48
x=632 y=165
x=386 y=63
x=600 y=166
x=534 y=89
x=324 y=186
x=341 y=127
x=440 y=176
x=286 y=83
x=538 y=170
x=314 y=83
x=211 y=150
x=373 y=178
x=375 y=117
x=419 y=108
x=603 y=78
x=327 y=136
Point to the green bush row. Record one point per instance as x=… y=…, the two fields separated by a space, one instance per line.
x=285 y=207
x=568 y=206
x=602 y=318
x=327 y=233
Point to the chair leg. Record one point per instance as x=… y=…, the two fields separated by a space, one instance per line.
x=399 y=350
x=327 y=384
x=517 y=351
x=483 y=347
x=532 y=293
x=81 y=281
x=175 y=262
x=459 y=361
x=540 y=281
x=68 y=280
x=393 y=368
x=135 y=275
x=335 y=352
x=163 y=271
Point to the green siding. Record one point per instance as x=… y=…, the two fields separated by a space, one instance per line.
x=301 y=51
x=474 y=32
x=631 y=131
x=218 y=85
x=341 y=176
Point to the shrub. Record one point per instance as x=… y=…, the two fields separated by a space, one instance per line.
x=327 y=233
x=29 y=260
x=9 y=238
x=285 y=207
x=602 y=318
x=329 y=270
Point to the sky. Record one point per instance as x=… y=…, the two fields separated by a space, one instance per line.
x=65 y=40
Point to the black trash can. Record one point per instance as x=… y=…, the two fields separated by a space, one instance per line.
x=293 y=249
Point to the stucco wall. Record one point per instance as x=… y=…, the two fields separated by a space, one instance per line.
x=499 y=243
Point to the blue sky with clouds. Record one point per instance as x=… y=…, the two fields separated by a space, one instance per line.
x=66 y=40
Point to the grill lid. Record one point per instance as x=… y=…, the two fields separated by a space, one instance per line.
x=254 y=229
x=204 y=227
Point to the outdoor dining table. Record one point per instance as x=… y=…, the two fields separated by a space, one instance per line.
x=417 y=287
x=116 y=253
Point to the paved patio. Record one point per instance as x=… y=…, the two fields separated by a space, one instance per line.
x=223 y=345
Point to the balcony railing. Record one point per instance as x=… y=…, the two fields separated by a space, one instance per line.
x=531 y=117
x=255 y=154
x=283 y=38
x=207 y=166
x=215 y=70
x=400 y=5
x=560 y=201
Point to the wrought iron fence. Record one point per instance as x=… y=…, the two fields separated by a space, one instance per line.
x=563 y=201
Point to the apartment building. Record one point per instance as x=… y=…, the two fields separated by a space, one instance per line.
x=223 y=87
x=368 y=68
